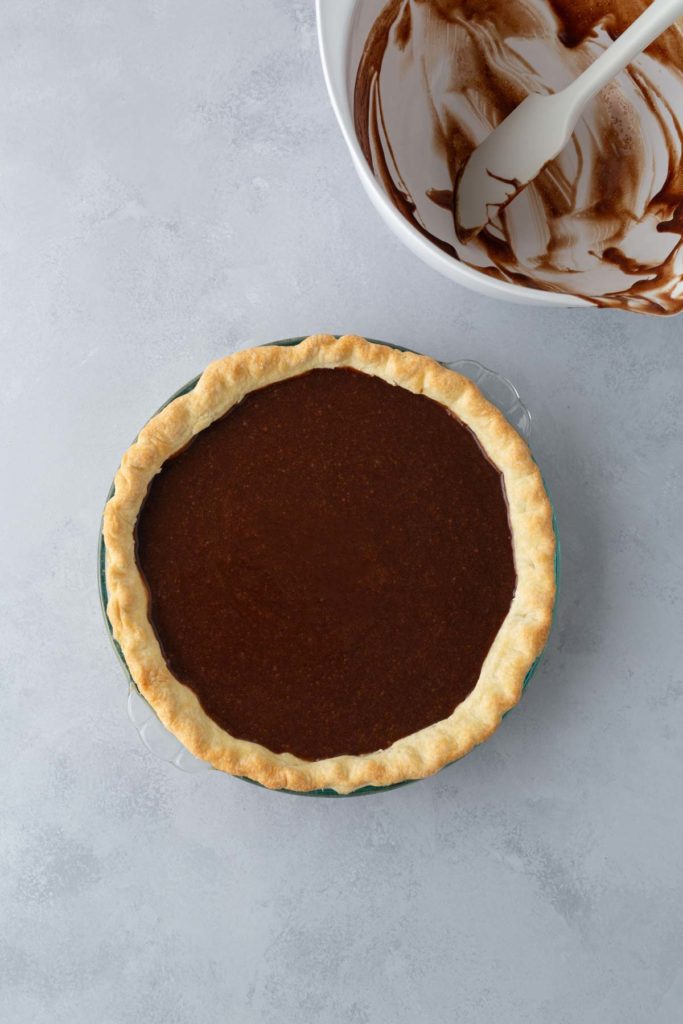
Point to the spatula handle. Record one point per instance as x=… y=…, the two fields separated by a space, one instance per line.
x=659 y=16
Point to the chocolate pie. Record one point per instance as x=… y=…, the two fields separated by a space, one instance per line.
x=330 y=565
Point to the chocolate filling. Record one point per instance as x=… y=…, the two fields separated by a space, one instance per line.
x=328 y=564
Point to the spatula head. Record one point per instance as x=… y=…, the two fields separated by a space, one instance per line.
x=507 y=160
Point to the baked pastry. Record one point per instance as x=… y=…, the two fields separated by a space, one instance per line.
x=330 y=565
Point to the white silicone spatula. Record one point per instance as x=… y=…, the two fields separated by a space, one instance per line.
x=539 y=128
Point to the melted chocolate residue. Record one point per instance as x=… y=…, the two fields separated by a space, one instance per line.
x=578 y=227
x=328 y=564
x=579 y=18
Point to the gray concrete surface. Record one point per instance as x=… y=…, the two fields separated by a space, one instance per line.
x=172 y=185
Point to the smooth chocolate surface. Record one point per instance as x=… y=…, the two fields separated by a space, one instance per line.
x=328 y=564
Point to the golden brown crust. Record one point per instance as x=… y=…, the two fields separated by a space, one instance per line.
x=519 y=640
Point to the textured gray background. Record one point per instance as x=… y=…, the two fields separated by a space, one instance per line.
x=173 y=185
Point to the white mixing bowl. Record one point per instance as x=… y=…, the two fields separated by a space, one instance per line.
x=336 y=19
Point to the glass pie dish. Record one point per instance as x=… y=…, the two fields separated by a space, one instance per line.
x=153 y=733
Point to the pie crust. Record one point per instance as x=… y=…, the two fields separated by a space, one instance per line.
x=514 y=650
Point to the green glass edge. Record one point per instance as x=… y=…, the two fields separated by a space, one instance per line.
x=365 y=790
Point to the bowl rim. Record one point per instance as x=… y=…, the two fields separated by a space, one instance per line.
x=334 y=21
